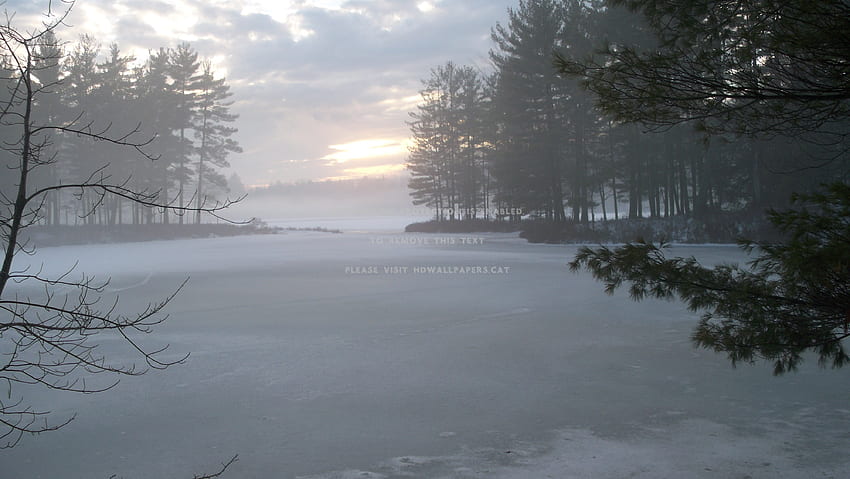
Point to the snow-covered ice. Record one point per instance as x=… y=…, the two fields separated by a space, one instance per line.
x=310 y=359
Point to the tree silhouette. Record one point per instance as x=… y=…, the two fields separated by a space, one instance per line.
x=49 y=337
x=752 y=69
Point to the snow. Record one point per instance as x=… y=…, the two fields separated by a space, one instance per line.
x=306 y=370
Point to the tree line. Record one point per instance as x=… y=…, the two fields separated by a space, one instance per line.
x=66 y=136
x=526 y=138
x=772 y=70
x=172 y=105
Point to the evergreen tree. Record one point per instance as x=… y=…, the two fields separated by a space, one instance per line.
x=235 y=186
x=50 y=110
x=758 y=69
x=113 y=95
x=183 y=68
x=746 y=68
x=157 y=100
x=79 y=158
x=213 y=133
x=529 y=107
x=793 y=297
x=426 y=175
x=445 y=161
x=584 y=121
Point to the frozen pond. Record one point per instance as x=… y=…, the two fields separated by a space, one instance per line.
x=319 y=355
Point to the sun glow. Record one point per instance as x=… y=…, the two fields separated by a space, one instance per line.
x=425 y=7
x=364 y=149
x=179 y=25
x=93 y=18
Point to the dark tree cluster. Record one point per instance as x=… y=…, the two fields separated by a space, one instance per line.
x=447 y=160
x=172 y=102
x=676 y=108
x=527 y=138
x=752 y=71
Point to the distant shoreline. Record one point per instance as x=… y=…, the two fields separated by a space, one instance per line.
x=64 y=235
x=721 y=229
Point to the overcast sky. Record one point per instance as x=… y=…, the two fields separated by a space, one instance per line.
x=323 y=87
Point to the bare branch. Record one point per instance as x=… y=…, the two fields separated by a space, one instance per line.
x=223 y=468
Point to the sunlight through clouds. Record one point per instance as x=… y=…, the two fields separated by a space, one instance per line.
x=365 y=149
x=309 y=76
x=425 y=7
x=288 y=13
x=95 y=18
x=219 y=65
x=174 y=25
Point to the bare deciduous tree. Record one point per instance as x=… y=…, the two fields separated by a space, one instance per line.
x=50 y=325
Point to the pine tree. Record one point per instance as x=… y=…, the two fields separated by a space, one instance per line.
x=445 y=160
x=762 y=69
x=528 y=101
x=212 y=132
x=156 y=99
x=584 y=121
x=79 y=157
x=48 y=65
x=793 y=297
x=113 y=95
x=183 y=68
x=758 y=69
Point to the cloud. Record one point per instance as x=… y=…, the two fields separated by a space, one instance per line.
x=365 y=150
x=355 y=76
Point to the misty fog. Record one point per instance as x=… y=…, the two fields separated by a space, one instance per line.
x=308 y=364
x=329 y=239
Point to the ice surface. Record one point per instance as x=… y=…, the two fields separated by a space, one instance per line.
x=306 y=368
x=349 y=224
